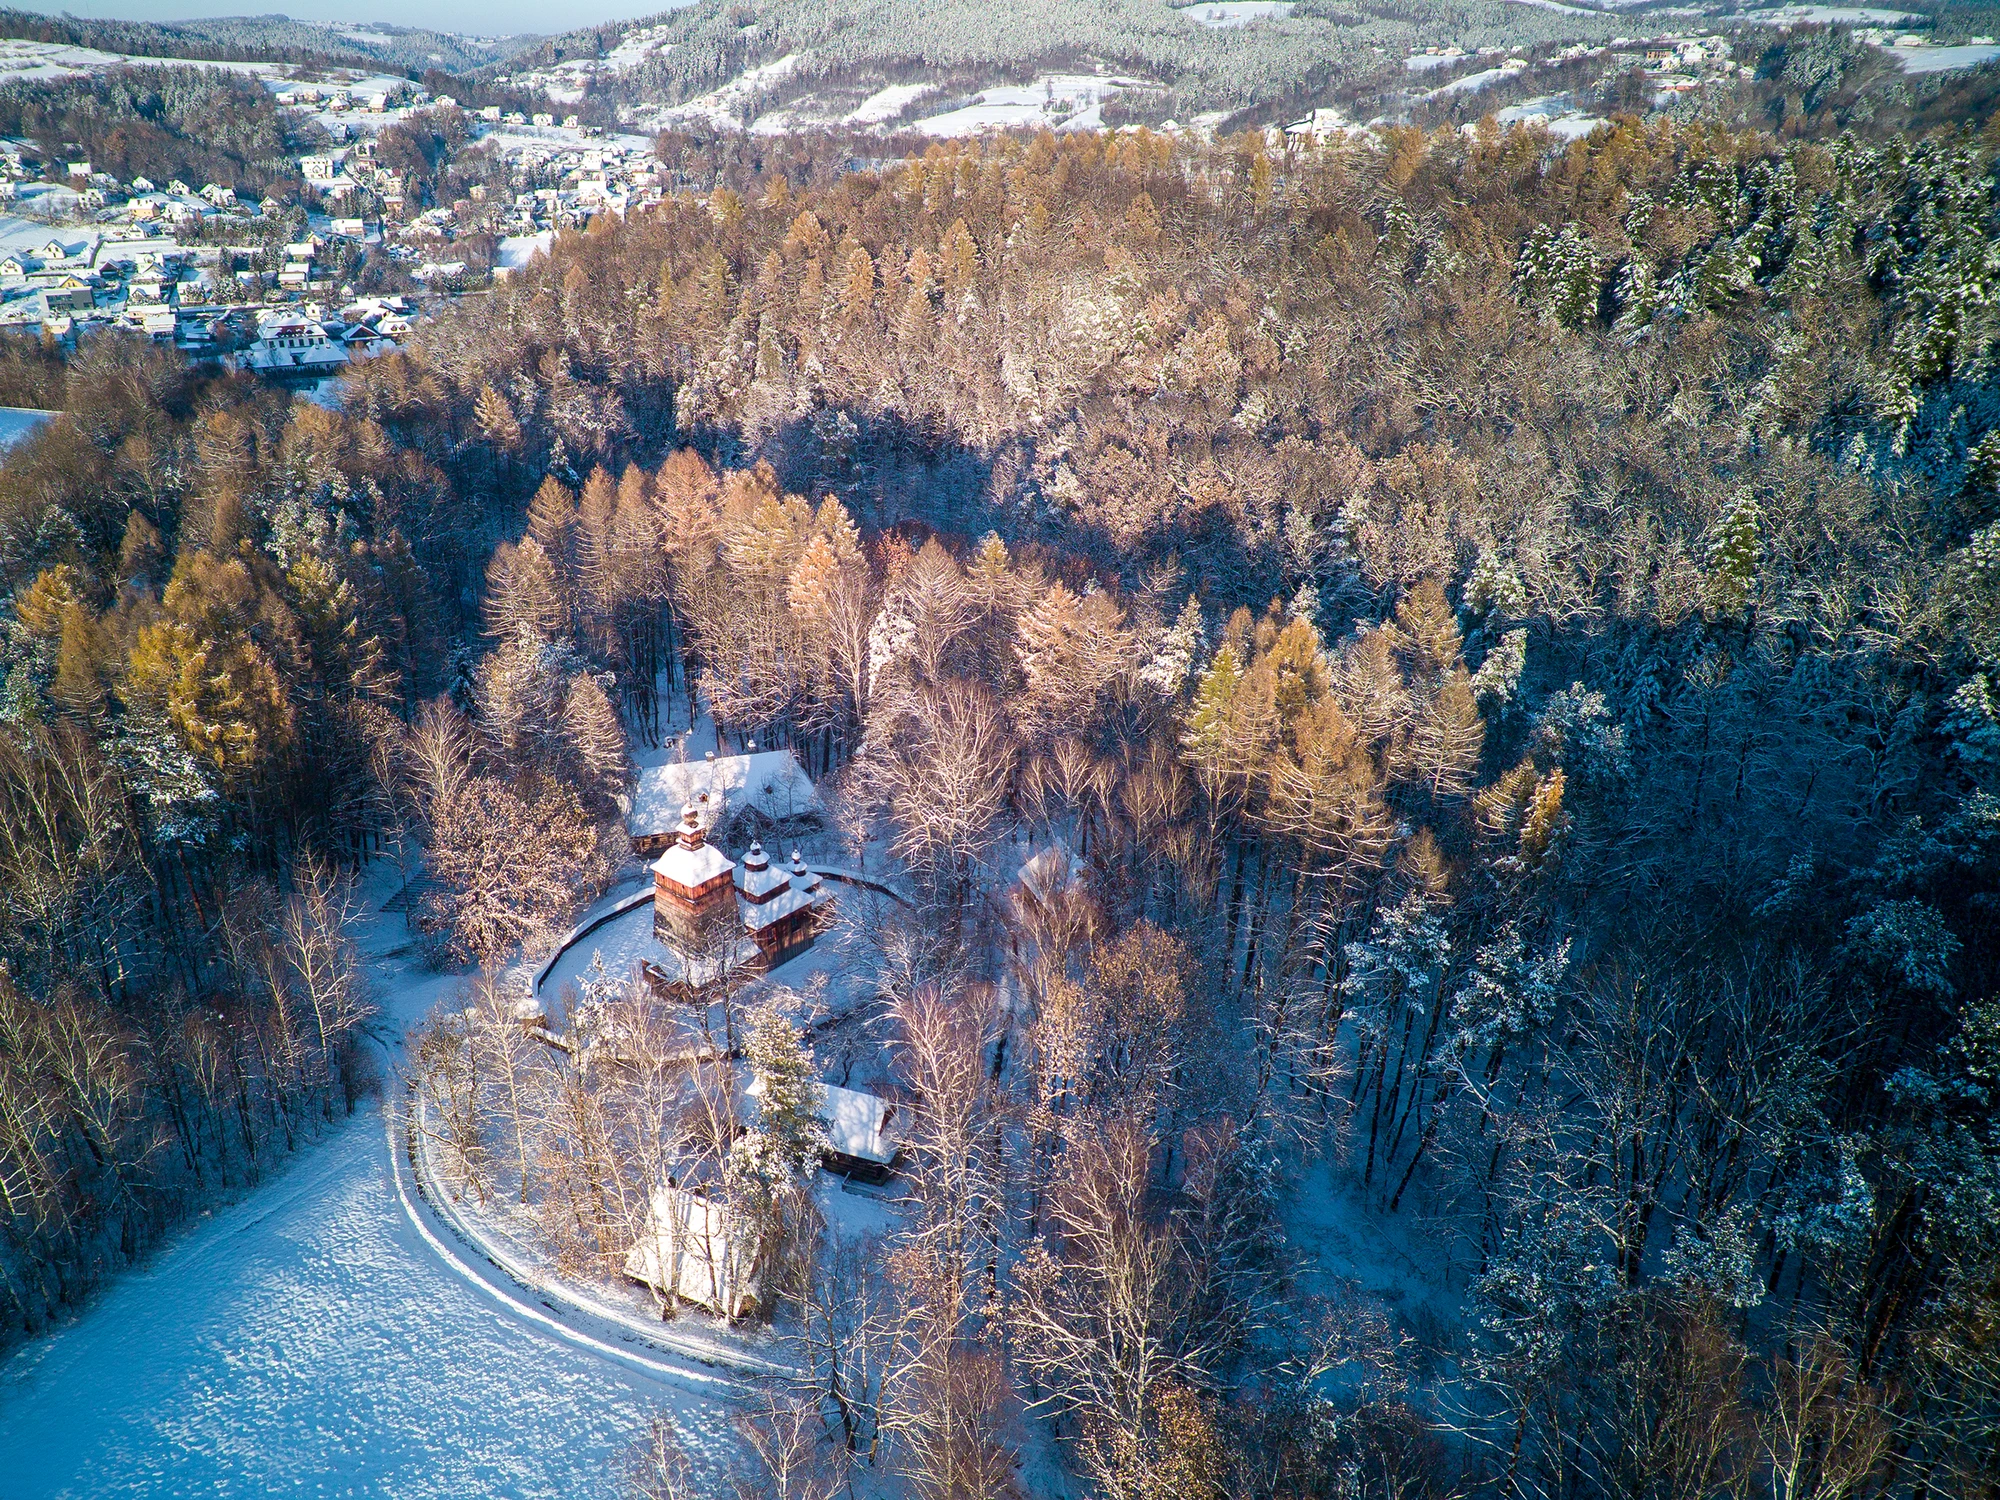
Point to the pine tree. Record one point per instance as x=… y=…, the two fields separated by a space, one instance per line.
x=1734 y=549
x=140 y=553
x=552 y=523
x=788 y=1101
x=1558 y=274
x=960 y=259
x=1174 y=657
x=496 y=419
x=597 y=572
x=522 y=593
x=857 y=288
x=596 y=738
x=80 y=663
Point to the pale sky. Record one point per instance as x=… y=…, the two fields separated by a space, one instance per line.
x=479 y=17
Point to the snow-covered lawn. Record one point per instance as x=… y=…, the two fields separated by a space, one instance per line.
x=308 y=1340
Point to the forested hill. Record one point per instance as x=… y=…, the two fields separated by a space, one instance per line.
x=199 y=124
x=271 y=38
x=861 y=46
x=1509 y=632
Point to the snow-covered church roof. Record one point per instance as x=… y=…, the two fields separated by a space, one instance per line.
x=690 y=861
x=771 y=891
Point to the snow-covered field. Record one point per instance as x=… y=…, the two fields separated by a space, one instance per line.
x=516 y=250
x=21 y=58
x=1942 y=59
x=1556 y=112
x=309 y=1340
x=723 y=108
x=1062 y=100
x=1223 y=14
x=1829 y=15
x=885 y=104
x=1472 y=82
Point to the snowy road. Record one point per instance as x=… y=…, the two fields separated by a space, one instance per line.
x=309 y=1341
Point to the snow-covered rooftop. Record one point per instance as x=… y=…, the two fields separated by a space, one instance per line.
x=857 y=1124
x=771 y=782
x=697 y=1248
x=690 y=861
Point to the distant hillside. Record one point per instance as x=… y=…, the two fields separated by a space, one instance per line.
x=947 y=67
x=1204 y=57
x=269 y=39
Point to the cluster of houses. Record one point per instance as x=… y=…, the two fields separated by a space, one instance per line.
x=156 y=286
x=308 y=341
x=562 y=176
x=137 y=282
x=590 y=179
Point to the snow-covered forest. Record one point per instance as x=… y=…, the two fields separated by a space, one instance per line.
x=1497 y=639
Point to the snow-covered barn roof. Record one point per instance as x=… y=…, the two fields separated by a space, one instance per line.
x=771 y=782
x=699 y=1250
x=857 y=1124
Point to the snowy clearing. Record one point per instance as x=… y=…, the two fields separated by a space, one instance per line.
x=1224 y=14
x=1057 y=100
x=1942 y=59
x=724 y=108
x=1827 y=15
x=310 y=1339
x=17 y=422
x=516 y=250
x=1555 y=112
x=885 y=104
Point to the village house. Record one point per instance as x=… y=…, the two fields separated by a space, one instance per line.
x=288 y=344
x=863 y=1136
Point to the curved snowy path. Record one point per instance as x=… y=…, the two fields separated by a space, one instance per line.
x=310 y=1341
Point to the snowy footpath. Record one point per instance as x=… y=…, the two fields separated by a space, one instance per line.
x=321 y=1338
